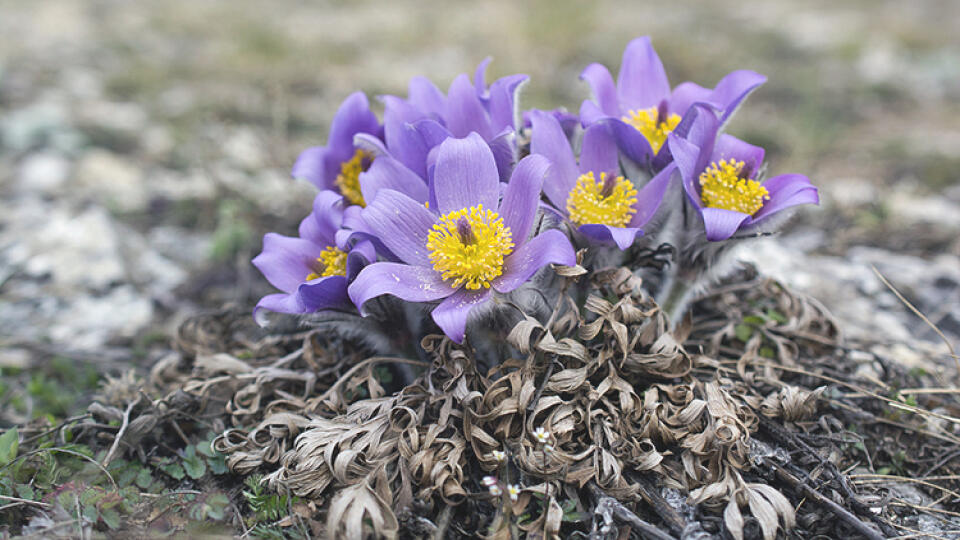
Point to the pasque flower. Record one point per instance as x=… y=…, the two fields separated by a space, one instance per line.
x=416 y=125
x=720 y=177
x=642 y=110
x=338 y=165
x=313 y=269
x=601 y=203
x=466 y=245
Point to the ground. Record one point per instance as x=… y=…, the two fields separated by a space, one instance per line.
x=145 y=149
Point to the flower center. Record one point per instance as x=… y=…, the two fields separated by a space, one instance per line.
x=722 y=187
x=348 y=181
x=469 y=245
x=331 y=262
x=610 y=201
x=654 y=123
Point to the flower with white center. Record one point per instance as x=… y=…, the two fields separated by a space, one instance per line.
x=489 y=481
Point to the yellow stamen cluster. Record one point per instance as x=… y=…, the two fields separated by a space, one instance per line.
x=611 y=201
x=331 y=262
x=469 y=246
x=653 y=128
x=722 y=187
x=348 y=181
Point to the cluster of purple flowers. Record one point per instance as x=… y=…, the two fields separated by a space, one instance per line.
x=456 y=197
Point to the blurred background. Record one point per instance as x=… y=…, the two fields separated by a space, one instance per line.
x=145 y=148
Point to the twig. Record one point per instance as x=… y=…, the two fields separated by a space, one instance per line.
x=670 y=516
x=923 y=317
x=369 y=361
x=443 y=522
x=18 y=500
x=120 y=434
x=815 y=495
x=608 y=508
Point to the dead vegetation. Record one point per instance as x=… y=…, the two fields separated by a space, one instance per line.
x=750 y=420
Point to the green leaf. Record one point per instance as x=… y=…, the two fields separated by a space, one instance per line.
x=775 y=315
x=217 y=505
x=743 y=332
x=9 y=444
x=111 y=517
x=193 y=463
x=218 y=465
x=25 y=491
x=144 y=478
x=174 y=470
x=755 y=320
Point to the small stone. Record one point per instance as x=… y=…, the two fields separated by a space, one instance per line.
x=112 y=180
x=44 y=171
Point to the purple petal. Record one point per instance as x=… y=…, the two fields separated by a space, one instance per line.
x=388 y=173
x=321 y=226
x=410 y=283
x=320 y=294
x=631 y=142
x=401 y=224
x=466 y=175
x=730 y=147
x=279 y=303
x=426 y=97
x=504 y=148
x=699 y=125
x=548 y=247
x=590 y=113
x=354 y=116
x=642 y=82
x=733 y=89
x=598 y=151
x=370 y=143
x=404 y=141
x=286 y=262
x=721 y=224
x=519 y=207
x=549 y=140
x=319 y=165
x=451 y=315
x=503 y=101
x=685 y=95
x=362 y=254
x=651 y=196
x=685 y=156
x=479 y=76
x=623 y=237
x=604 y=92
x=464 y=112
x=787 y=190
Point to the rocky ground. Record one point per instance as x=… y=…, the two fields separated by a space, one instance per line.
x=144 y=150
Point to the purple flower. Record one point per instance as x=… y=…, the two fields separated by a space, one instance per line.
x=466 y=245
x=413 y=127
x=642 y=110
x=719 y=175
x=592 y=195
x=312 y=270
x=338 y=165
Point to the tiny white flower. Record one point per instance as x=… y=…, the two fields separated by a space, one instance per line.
x=489 y=481
x=541 y=435
x=514 y=491
x=499 y=455
x=495 y=490
x=548 y=448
